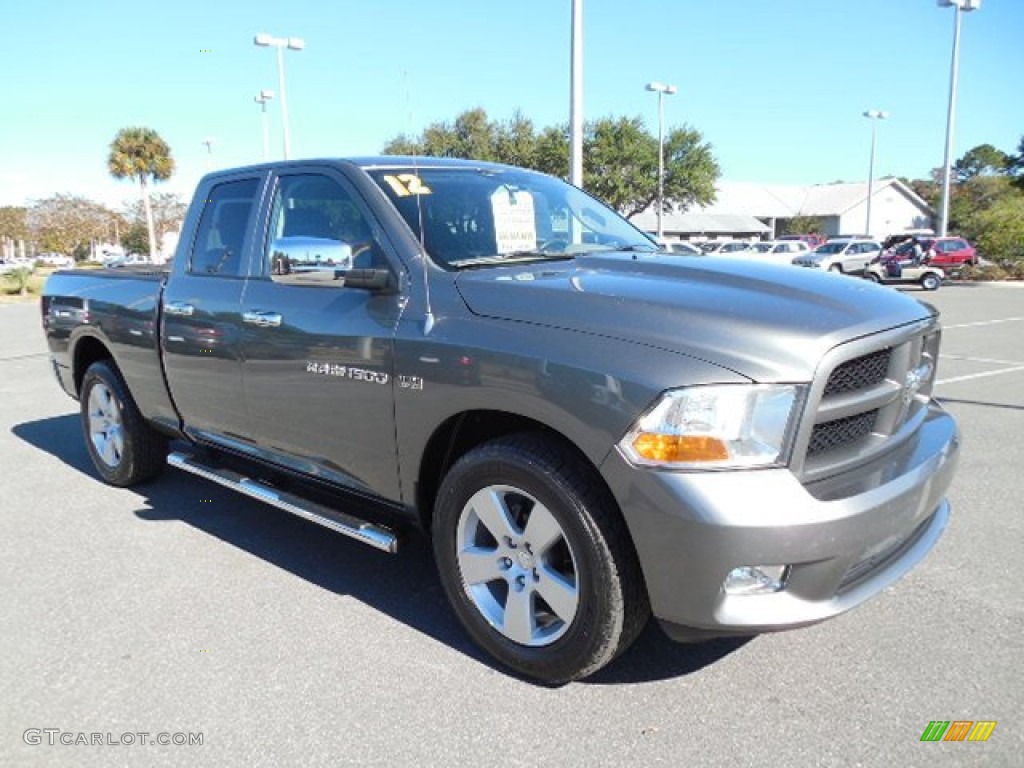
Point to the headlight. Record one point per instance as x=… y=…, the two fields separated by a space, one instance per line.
x=715 y=427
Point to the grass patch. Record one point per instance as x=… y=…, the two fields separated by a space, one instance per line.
x=10 y=287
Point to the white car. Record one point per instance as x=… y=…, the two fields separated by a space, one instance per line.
x=679 y=247
x=774 y=251
x=725 y=247
x=58 y=260
x=846 y=255
x=9 y=265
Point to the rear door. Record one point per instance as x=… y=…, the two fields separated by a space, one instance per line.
x=863 y=253
x=201 y=321
x=317 y=355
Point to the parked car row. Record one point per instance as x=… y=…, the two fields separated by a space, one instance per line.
x=43 y=259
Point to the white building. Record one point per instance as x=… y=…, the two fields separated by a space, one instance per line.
x=748 y=209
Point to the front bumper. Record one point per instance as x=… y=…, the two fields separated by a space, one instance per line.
x=845 y=538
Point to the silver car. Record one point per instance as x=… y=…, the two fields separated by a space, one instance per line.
x=843 y=255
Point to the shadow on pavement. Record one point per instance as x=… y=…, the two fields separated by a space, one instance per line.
x=404 y=586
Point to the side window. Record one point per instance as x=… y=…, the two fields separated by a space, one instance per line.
x=317 y=233
x=220 y=240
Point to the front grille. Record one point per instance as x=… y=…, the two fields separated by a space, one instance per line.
x=833 y=434
x=859 y=373
x=867 y=397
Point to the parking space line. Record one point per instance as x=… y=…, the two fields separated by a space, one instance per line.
x=968 y=359
x=982 y=322
x=31 y=356
x=980 y=375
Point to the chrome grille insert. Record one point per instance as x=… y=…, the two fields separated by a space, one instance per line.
x=868 y=396
x=833 y=434
x=860 y=373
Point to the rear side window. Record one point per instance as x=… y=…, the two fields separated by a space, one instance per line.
x=221 y=238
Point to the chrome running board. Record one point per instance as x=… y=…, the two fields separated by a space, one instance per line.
x=376 y=536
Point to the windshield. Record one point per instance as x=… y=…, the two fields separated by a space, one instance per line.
x=477 y=216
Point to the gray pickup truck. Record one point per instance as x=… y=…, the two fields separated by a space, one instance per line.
x=588 y=429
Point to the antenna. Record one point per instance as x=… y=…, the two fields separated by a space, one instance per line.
x=428 y=318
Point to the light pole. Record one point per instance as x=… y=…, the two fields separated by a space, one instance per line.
x=874 y=115
x=208 y=142
x=661 y=89
x=262 y=98
x=576 y=97
x=959 y=5
x=294 y=44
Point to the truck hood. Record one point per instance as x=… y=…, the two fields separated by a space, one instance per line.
x=767 y=322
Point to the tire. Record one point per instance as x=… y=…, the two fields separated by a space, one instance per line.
x=524 y=523
x=873 y=277
x=837 y=268
x=124 y=449
x=930 y=282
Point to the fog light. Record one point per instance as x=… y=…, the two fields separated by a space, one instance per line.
x=756 y=579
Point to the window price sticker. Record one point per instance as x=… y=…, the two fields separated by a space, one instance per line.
x=515 y=226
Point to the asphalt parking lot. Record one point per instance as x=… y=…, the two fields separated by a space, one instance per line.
x=182 y=608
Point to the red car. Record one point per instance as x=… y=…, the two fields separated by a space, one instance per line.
x=950 y=252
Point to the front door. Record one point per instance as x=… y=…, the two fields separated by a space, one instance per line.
x=317 y=355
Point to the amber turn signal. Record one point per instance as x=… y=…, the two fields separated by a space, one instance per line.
x=678 y=448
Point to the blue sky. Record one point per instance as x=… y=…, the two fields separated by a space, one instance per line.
x=778 y=88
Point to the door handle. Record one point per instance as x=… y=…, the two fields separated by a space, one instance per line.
x=179 y=308
x=262 y=319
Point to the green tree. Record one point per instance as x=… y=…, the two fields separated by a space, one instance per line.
x=68 y=223
x=620 y=166
x=552 y=153
x=140 y=154
x=136 y=239
x=801 y=225
x=1000 y=230
x=927 y=189
x=982 y=160
x=973 y=197
x=13 y=227
x=21 y=278
x=620 y=158
x=168 y=213
x=1016 y=165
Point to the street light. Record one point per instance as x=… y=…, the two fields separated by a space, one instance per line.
x=576 y=97
x=262 y=98
x=874 y=115
x=662 y=90
x=294 y=44
x=208 y=142
x=959 y=5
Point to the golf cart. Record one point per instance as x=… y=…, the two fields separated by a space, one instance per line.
x=901 y=265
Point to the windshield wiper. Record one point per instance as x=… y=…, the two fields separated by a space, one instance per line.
x=513 y=257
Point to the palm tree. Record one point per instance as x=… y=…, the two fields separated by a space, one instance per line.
x=140 y=153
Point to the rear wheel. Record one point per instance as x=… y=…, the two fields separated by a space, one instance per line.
x=536 y=560
x=123 y=448
x=873 y=277
x=930 y=282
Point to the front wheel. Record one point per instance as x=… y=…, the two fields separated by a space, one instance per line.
x=930 y=282
x=536 y=560
x=124 y=449
x=873 y=277
x=836 y=268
